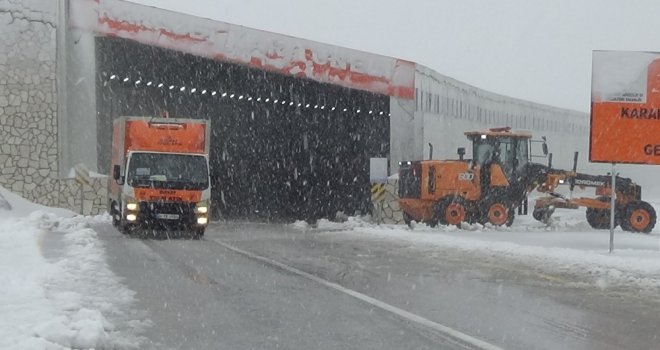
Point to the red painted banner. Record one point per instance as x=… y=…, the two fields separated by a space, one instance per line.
x=237 y=44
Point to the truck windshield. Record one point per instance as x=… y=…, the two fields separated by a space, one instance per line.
x=173 y=171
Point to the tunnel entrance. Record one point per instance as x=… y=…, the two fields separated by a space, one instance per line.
x=282 y=148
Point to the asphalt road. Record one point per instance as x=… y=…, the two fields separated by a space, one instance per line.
x=207 y=295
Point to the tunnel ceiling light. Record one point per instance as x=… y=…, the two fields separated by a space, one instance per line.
x=249 y=98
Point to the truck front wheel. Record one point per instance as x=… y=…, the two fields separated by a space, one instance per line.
x=198 y=233
x=116 y=216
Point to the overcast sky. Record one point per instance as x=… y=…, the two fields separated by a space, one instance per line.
x=530 y=49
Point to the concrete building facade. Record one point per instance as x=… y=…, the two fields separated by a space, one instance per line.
x=50 y=83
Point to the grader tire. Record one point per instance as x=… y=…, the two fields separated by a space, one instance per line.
x=452 y=211
x=638 y=216
x=498 y=213
x=600 y=218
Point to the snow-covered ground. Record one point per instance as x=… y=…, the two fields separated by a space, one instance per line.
x=569 y=246
x=57 y=290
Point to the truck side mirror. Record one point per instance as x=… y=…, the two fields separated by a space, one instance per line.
x=461 y=152
x=116 y=174
x=544 y=146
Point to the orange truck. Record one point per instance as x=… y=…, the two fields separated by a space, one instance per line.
x=160 y=174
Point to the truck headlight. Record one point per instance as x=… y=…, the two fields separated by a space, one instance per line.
x=202 y=207
x=131 y=204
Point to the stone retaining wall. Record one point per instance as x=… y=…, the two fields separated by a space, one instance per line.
x=94 y=196
x=28 y=102
x=28 y=110
x=388 y=208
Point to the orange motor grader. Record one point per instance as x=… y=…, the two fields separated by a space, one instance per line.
x=490 y=186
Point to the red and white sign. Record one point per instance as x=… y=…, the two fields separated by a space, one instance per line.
x=625 y=107
x=256 y=48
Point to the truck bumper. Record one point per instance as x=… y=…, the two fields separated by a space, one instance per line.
x=163 y=215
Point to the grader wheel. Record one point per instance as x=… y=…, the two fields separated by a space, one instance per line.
x=600 y=218
x=638 y=216
x=498 y=213
x=452 y=211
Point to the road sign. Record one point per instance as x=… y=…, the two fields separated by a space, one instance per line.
x=378 y=170
x=625 y=107
x=82 y=174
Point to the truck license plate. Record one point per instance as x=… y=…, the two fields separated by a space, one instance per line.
x=168 y=216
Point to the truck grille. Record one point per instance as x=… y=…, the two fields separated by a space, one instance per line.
x=167 y=213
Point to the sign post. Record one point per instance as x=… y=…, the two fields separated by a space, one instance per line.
x=612 y=207
x=378 y=179
x=82 y=177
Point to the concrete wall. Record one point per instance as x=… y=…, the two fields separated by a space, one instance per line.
x=77 y=97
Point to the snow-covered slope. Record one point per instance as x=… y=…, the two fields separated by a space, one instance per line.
x=21 y=207
x=57 y=290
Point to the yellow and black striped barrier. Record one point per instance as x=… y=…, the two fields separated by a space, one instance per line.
x=377 y=192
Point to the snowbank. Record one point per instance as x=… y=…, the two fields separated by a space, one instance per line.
x=21 y=207
x=57 y=290
x=569 y=246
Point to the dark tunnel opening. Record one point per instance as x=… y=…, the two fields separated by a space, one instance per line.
x=269 y=161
